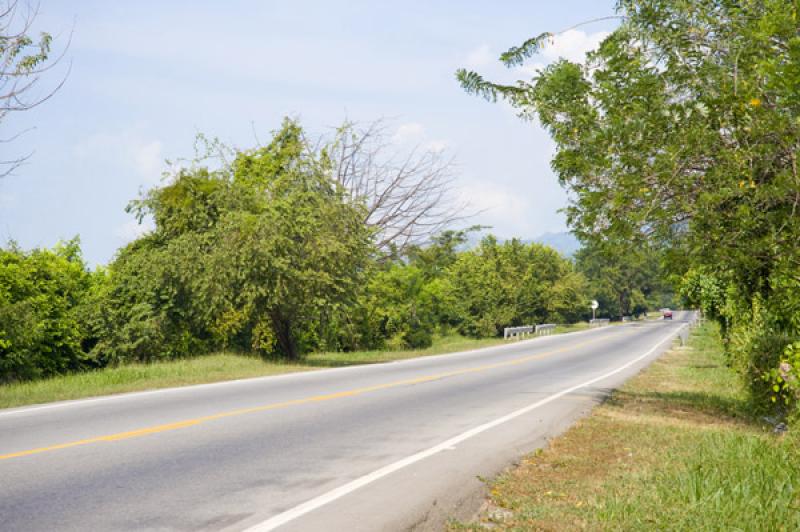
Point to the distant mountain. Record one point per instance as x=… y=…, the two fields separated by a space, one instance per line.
x=565 y=243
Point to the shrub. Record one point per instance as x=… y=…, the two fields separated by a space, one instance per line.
x=41 y=328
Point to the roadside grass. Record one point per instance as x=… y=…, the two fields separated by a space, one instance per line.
x=219 y=367
x=674 y=449
x=572 y=327
x=450 y=343
x=206 y=369
x=138 y=377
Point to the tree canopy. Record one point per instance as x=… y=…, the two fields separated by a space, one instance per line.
x=681 y=130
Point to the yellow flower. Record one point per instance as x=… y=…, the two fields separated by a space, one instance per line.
x=741 y=184
x=755 y=102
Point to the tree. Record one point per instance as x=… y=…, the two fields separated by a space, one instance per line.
x=409 y=197
x=260 y=254
x=683 y=130
x=501 y=285
x=23 y=60
x=624 y=280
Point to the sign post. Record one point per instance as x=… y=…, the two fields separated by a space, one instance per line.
x=595 y=304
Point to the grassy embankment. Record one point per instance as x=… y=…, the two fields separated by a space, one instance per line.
x=674 y=449
x=211 y=368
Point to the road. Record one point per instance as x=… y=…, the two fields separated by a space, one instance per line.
x=392 y=446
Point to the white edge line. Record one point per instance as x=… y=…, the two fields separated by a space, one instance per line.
x=292 y=374
x=289 y=515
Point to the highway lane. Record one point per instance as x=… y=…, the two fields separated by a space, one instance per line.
x=236 y=455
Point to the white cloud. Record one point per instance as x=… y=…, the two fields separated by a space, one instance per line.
x=408 y=133
x=531 y=70
x=500 y=207
x=149 y=159
x=479 y=57
x=437 y=146
x=129 y=148
x=132 y=229
x=572 y=45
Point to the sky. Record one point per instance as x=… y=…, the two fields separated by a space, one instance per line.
x=146 y=77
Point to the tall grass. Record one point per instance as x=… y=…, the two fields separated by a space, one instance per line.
x=730 y=481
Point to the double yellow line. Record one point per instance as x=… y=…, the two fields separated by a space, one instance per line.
x=294 y=402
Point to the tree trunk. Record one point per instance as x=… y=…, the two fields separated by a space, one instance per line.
x=283 y=334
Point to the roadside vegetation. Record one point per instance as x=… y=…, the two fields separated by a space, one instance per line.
x=222 y=366
x=266 y=254
x=283 y=251
x=679 y=447
x=206 y=369
x=680 y=135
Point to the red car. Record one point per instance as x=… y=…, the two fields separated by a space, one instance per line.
x=667 y=314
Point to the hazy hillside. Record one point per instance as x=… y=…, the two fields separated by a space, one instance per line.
x=565 y=242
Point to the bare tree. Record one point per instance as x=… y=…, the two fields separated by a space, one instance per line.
x=409 y=197
x=23 y=61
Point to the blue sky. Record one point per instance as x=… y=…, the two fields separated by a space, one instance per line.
x=146 y=77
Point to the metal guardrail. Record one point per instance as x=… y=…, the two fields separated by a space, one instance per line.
x=599 y=322
x=514 y=332
x=543 y=329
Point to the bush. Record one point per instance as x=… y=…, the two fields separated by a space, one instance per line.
x=41 y=327
x=418 y=337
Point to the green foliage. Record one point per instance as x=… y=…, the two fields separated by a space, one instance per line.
x=402 y=307
x=260 y=255
x=500 y=285
x=704 y=291
x=624 y=280
x=41 y=298
x=681 y=131
x=267 y=254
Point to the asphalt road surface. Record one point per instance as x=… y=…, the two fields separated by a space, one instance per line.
x=395 y=446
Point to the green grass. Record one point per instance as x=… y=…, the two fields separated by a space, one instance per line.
x=205 y=369
x=441 y=345
x=674 y=449
x=581 y=326
x=218 y=367
x=137 y=377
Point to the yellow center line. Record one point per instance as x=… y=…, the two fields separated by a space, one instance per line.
x=294 y=402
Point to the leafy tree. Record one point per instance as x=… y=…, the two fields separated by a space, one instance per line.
x=624 y=280
x=402 y=306
x=261 y=254
x=682 y=130
x=298 y=250
x=500 y=285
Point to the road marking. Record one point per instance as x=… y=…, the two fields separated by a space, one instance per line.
x=22 y=410
x=326 y=498
x=293 y=402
